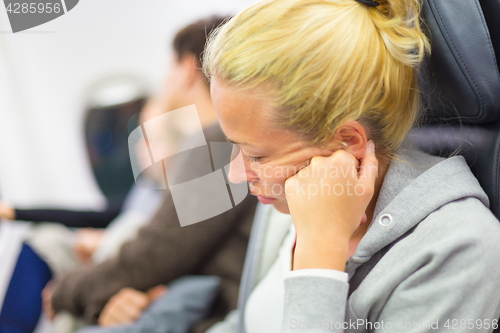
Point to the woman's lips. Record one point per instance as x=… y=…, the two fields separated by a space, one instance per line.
x=265 y=200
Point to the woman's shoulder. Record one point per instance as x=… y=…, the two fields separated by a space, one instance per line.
x=464 y=225
x=444 y=201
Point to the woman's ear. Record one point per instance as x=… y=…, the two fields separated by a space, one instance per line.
x=191 y=69
x=353 y=136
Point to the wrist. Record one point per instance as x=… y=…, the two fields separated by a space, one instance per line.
x=326 y=254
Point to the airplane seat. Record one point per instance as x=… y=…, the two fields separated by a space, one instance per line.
x=460 y=85
x=113 y=107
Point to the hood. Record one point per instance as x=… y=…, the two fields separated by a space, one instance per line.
x=415 y=185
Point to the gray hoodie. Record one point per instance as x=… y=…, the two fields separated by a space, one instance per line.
x=444 y=276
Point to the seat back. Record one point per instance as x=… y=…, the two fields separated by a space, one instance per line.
x=460 y=82
x=113 y=107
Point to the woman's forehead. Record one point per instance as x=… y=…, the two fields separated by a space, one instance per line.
x=244 y=116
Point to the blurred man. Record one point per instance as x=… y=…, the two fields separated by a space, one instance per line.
x=163 y=250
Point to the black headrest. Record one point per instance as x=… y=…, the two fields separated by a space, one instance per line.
x=491 y=12
x=460 y=80
x=479 y=144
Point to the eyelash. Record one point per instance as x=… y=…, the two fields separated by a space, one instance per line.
x=251 y=159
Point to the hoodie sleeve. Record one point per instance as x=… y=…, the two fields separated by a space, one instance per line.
x=315 y=299
x=455 y=288
x=443 y=279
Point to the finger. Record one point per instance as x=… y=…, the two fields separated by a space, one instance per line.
x=138 y=298
x=105 y=319
x=124 y=307
x=106 y=316
x=369 y=164
x=156 y=292
x=118 y=311
x=114 y=317
x=342 y=158
x=346 y=161
x=129 y=311
x=364 y=219
x=290 y=184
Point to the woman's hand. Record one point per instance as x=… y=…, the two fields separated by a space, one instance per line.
x=327 y=201
x=7 y=211
x=128 y=304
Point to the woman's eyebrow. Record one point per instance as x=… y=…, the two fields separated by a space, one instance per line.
x=238 y=143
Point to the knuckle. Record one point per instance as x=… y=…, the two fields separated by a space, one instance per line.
x=113 y=305
x=291 y=182
x=343 y=157
x=125 y=291
x=317 y=160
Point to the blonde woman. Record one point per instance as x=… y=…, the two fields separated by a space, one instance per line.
x=318 y=96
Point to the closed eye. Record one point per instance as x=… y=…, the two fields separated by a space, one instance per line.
x=237 y=150
x=252 y=159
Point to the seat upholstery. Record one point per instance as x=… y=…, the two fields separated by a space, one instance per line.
x=460 y=82
x=491 y=12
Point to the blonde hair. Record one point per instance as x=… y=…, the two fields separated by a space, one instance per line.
x=328 y=61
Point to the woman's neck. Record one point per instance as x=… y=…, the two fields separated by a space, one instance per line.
x=356 y=238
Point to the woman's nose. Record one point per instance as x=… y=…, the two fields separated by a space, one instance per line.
x=237 y=171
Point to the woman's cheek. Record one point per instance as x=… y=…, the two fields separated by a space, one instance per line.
x=281 y=176
x=278 y=188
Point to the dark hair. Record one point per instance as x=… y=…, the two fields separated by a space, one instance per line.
x=192 y=39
